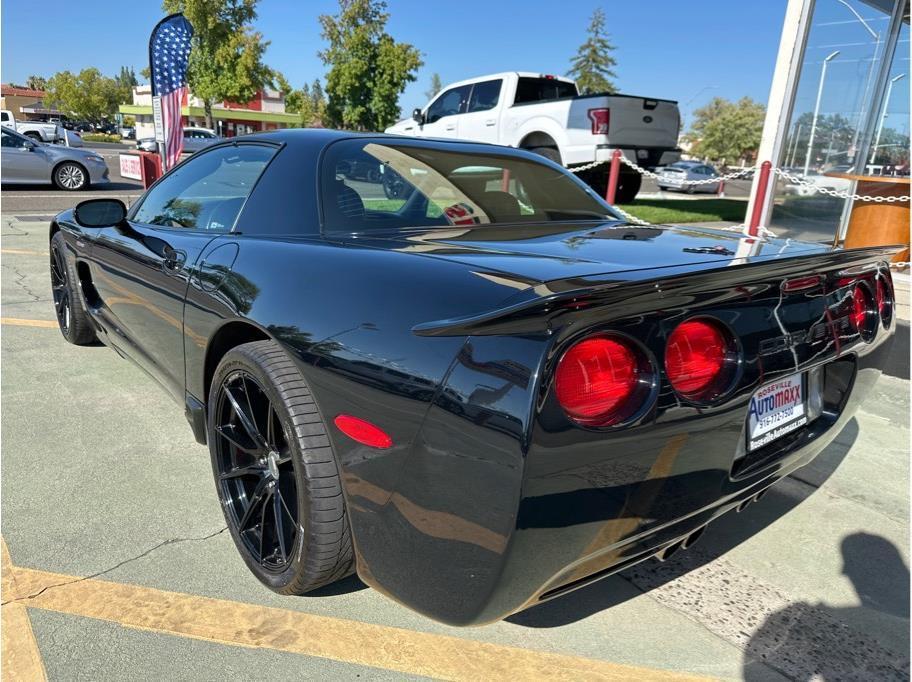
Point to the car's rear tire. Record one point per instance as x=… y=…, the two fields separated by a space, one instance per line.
x=33 y=135
x=628 y=186
x=72 y=318
x=71 y=177
x=275 y=472
x=551 y=153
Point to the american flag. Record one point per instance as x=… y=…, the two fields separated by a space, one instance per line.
x=169 y=52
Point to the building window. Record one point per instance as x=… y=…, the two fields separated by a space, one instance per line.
x=838 y=94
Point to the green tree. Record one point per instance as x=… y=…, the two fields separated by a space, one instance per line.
x=226 y=59
x=36 y=83
x=727 y=132
x=436 y=86
x=592 y=67
x=87 y=95
x=368 y=69
x=126 y=80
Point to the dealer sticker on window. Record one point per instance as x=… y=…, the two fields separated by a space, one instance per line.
x=775 y=410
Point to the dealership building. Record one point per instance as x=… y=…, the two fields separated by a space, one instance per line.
x=266 y=111
x=837 y=118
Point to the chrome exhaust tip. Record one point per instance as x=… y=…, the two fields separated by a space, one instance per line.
x=693 y=538
x=670 y=551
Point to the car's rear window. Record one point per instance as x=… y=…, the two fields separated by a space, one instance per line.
x=380 y=185
x=542 y=90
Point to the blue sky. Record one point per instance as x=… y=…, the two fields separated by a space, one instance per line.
x=688 y=51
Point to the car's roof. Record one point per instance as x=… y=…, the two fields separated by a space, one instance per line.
x=322 y=137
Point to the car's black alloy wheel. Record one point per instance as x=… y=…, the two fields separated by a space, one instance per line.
x=275 y=473
x=72 y=317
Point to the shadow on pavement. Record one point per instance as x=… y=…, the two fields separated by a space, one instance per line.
x=811 y=641
x=345 y=586
x=898 y=362
x=723 y=534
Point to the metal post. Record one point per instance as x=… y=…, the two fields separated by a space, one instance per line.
x=883 y=116
x=613 y=176
x=791 y=161
x=823 y=70
x=505 y=180
x=759 y=199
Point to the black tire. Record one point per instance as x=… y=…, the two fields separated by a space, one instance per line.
x=628 y=187
x=294 y=437
x=690 y=189
x=33 y=135
x=71 y=176
x=395 y=186
x=551 y=153
x=72 y=318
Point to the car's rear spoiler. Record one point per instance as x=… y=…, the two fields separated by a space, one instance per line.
x=657 y=286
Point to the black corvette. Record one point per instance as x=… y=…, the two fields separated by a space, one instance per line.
x=480 y=392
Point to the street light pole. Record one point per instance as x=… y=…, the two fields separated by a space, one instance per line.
x=883 y=116
x=823 y=70
x=864 y=97
x=791 y=161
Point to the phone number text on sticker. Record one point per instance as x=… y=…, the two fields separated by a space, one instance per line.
x=776 y=410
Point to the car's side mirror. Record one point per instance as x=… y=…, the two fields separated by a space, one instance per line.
x=417 y=116
x=100 y=212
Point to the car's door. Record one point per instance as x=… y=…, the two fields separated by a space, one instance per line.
x=442 y=116
x=140 y=269
x=23 y=160
x=479 y=122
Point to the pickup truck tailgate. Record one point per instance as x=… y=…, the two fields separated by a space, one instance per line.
x=635 y=121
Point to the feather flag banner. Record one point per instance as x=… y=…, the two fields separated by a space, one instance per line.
x=169 y=55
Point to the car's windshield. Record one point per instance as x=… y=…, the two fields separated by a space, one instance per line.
x=374 y=185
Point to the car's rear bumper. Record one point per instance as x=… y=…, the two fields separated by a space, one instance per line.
x=469 y=539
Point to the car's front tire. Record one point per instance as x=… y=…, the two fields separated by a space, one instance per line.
x=71 y=177
x=72 y=318
x=275 y=472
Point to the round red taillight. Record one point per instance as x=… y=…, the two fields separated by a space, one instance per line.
x=596 y=379
x=695 y=358
x=862 y=306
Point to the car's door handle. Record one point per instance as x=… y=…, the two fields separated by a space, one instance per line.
x=451 y=126
x=490 y=121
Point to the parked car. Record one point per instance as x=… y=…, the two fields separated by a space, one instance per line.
x=194 y=140
x=128 y=133
x=675 y=176
x=547 y=115
x=496 y=389
x=24 y=161
x=71 y=138
x=812 y=181
x=36 y=130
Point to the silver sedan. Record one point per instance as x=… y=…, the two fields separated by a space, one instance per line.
x=680 y=175
x=194 y=140
x=24 y=161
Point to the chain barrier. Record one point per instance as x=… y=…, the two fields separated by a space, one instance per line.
x=814 y=187
x=785 y=175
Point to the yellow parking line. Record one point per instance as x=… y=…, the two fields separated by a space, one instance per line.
x=19 y=654
x=18 y=322
x=248 y=625
x=25 y=252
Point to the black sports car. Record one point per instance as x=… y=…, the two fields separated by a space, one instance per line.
x=481 y=393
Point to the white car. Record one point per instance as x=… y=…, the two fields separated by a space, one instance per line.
x=547 y=115
x=194 y=140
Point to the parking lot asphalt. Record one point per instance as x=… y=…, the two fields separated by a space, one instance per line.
x=118 y=565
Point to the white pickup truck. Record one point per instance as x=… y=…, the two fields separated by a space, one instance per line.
x=38 y=131
x=546 y=114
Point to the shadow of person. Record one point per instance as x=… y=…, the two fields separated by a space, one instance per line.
x=723 y=535
x=806 y=641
